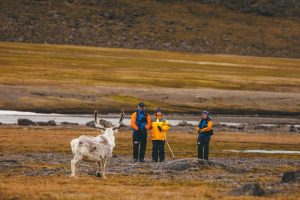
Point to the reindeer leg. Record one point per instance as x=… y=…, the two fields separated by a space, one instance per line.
x=74 y=162
x=98 y=174
x=103 y=168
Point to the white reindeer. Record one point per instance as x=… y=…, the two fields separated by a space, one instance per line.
x=96 y=149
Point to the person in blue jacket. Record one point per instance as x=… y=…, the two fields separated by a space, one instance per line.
x=140 y=123
x=205 y=132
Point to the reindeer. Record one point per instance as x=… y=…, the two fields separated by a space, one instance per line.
x=96 y=149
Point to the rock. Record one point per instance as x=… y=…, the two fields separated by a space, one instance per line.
x=48 y=123
x=26 y=122
x=189 y=28
x=179 y=165
x=185 y=164
x=239 y=126
x=184 y=123
x=249 y=189
x=51 y=123
x=105 y=123
x=263 y=127
x=125 y=128
x=293 y=176
x=69 y=123
x=171 y=30
x=292 y=128
x=42 y=123
x=90 y=124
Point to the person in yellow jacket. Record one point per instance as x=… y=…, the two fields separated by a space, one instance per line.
x=160 y=126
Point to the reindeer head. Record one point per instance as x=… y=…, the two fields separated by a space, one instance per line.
x=113 y=129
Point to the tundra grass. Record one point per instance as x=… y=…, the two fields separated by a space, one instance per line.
x=30 y=64
x=23 y=140
x=18 y=140
x=75 y=79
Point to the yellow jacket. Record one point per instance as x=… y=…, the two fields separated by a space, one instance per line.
x=165 y=126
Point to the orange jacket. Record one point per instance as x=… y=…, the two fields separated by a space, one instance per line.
x=133 y=122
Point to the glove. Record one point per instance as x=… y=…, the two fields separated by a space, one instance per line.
x=159 y=128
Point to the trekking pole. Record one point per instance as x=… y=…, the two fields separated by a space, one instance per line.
x=167 y=143
x=169 y=147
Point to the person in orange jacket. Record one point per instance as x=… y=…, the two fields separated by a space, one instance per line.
x=159 y=126
x=205 y=132
x=140 y=122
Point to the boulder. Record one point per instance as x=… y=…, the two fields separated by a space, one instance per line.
x=263 y=127
x=253 y=189
x=103 y=122
x=42 y=123
x=48 y=123
x=125 y=128
x=239 y=126
x=26 y=122
x=51 y=123
x=179 y=165
x=90 y=124
x=184 y=123
x=69 y=124
x=292 y=128
x=186 y=164
x=293 y=176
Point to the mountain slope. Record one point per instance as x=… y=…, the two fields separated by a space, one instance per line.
x=245 y=27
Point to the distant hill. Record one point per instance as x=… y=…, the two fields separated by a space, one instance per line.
x=245 y=27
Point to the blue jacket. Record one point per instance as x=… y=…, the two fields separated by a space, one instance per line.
x=140 y=121
x=205 y=128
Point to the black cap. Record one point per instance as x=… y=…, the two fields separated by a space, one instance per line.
x=141 y=104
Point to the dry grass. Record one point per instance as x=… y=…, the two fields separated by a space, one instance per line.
x=14 y=140
x=29 y=64
x=60 y=78
x=18 y=140
x=117 y=187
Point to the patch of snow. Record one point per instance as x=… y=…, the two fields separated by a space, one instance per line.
x=265 y=151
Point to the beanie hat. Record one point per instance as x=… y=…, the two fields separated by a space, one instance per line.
x=157 y=110
x=141 y=104
x=205 y=112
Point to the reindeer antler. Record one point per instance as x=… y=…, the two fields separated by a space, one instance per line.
x=97 y=122
x=120 y=121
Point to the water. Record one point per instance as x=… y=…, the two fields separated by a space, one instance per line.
x=11 y=117
x=264 y=151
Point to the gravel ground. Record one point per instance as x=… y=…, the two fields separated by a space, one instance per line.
x=230 y=172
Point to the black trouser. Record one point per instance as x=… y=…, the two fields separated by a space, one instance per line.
x=203 y=144
x=139 y=144
x=158 y=149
